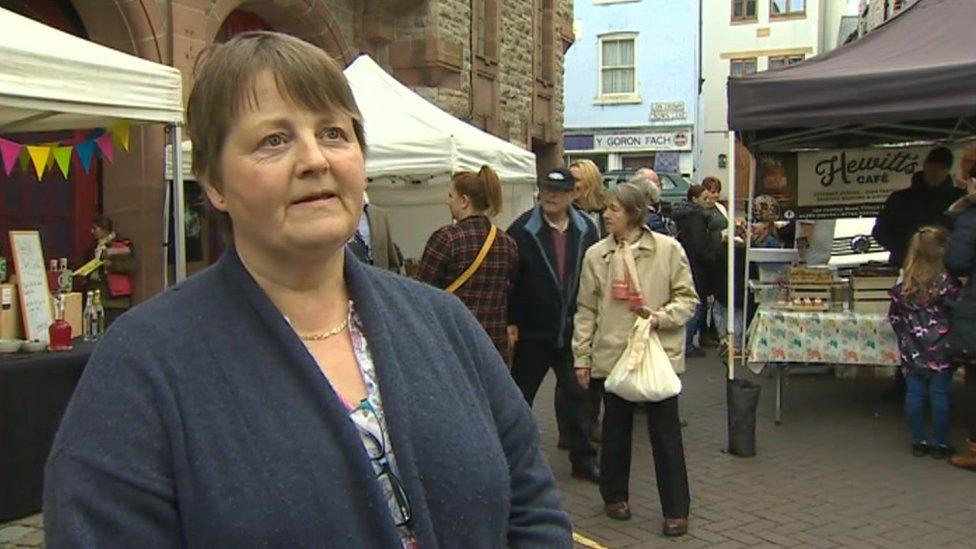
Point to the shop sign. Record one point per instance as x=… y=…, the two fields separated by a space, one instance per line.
x=668 y=111
x=853 y=179
x=643 y=141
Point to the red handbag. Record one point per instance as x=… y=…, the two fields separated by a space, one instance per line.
x=119 y=285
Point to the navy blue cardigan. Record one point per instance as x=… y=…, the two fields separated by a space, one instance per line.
x=202 y=421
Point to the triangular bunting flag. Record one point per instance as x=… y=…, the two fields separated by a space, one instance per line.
x=121 y=133
x=85 y=150
x=106 y=146
x=23 y=159
x=50 y=158
x=9 y=151
x=62 y=155
x=39 y=155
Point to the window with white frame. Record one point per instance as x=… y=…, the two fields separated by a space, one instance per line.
x=618 y=66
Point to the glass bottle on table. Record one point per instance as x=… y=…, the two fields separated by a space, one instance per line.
x=86 y=316
x=99 y=315
x=59 y=332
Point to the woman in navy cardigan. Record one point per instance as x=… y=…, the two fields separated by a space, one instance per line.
x=290 y=396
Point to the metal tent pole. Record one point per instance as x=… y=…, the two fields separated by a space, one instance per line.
x=730 y=251
x=179 y=203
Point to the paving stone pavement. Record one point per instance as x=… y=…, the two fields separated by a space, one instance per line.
x=837 y=473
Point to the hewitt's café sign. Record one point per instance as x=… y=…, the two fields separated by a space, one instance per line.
x=642 y=141
x=853 y=182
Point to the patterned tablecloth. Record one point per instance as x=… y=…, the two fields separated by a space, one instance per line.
x=821 y=337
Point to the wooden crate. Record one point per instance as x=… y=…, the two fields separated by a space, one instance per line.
x=876 y=306
x=873 y=282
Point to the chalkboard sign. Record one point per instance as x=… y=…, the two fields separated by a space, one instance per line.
x=35 y=296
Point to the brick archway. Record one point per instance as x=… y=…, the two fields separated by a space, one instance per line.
x=133 y=187
x=311 y=21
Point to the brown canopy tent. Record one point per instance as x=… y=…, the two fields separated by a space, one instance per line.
x=912 y=79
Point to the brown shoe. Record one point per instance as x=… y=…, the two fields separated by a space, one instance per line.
x=965 y=459
x=674 y=527
x=618 y=511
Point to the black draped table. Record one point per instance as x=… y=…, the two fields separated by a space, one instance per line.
x=34 y=390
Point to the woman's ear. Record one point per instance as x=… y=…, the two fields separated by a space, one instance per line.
x=214 y=195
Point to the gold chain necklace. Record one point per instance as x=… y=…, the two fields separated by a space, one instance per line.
x=326 y=334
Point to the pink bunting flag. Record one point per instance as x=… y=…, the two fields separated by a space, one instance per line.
x=9 y=151
x=62 y=155
x=106 y=146
x=39 y=155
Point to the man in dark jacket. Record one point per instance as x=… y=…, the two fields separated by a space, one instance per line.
x=924 y=203
x=552 y=238
x=704 y=256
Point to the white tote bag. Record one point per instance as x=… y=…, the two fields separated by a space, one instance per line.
x=643 y=373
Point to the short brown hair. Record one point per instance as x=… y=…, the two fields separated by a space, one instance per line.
x=224 y=87
x=694 y=191
x=712 y=184
x=484 y=189
x=631 y=199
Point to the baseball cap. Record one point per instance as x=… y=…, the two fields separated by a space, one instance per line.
x=559 y=178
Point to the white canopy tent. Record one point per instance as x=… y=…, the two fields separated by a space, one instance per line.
x=413 y=149
x=51 y=80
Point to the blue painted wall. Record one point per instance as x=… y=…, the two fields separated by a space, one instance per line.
x=667 y=61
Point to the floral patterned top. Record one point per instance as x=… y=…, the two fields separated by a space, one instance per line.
x=921 y=326
x=370 y=421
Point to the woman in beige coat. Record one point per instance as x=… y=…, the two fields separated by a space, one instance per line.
x=602 y=326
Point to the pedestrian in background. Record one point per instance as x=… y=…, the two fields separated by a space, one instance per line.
x=373 y=241
x=656 y=220
x=960 y=261
x=919 y=315
x=290 y=396
x=113 y=279
x=590 y=194
x=603 y=325
x=703 y=250
x=552 y=238
x=714 y=186
x=471 y=258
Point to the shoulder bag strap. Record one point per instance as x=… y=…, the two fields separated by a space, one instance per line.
x=476 y=264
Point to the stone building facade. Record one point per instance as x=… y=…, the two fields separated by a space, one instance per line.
x=875 y=12
x=494 y=63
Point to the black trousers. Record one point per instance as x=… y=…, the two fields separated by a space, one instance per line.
x=664 y=429
x=532 y=360
x=969 y=397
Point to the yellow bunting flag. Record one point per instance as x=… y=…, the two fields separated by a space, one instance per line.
x=120 y=132
x=39 y=155
x=62 y=155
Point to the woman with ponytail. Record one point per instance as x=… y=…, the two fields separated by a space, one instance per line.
x=471 y=258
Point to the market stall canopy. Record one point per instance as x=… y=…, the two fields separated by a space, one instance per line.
x=409 y=137
x=911 y=79
x=51 y=80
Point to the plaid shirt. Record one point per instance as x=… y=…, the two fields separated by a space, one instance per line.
x=452 y=249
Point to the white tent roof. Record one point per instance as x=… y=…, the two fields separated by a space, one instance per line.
x=409 y=137
x=51 y=80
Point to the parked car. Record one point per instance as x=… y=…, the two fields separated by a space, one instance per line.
x=674 y=186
